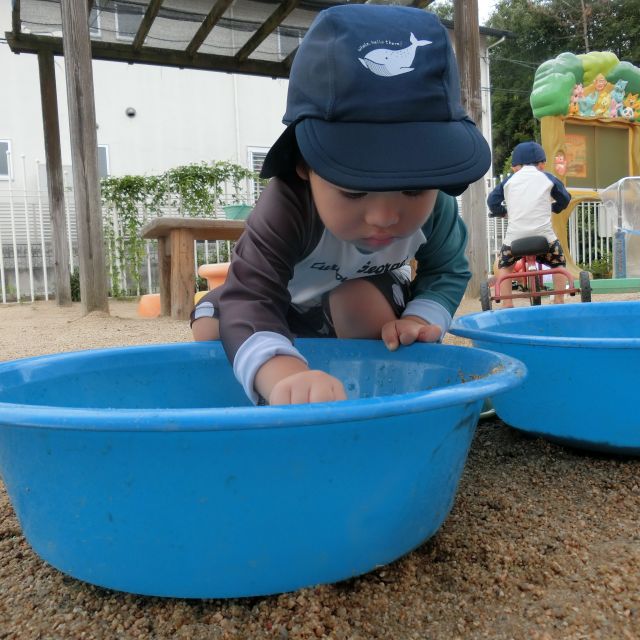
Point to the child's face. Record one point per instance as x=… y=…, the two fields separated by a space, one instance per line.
x=370 y=220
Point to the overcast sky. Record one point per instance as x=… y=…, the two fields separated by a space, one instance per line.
x=484 y=9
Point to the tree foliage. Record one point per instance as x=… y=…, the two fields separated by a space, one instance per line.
x=442 y=8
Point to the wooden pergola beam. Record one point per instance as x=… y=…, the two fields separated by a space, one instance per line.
x=267 y=27
x=121 y=52
x=16 y=22
x=207 y=26
x=145 y=26
x=288 y=61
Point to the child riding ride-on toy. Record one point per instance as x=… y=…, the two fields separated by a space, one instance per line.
x=530 y=195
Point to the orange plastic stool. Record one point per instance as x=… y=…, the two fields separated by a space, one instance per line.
x=149 y=305
x=215 y=274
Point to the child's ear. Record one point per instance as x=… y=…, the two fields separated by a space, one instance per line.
x=302 y=170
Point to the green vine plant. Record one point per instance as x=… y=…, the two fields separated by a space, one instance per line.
x=601 y=266
x=128 y=202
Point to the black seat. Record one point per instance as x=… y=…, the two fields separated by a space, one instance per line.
x=529 y=246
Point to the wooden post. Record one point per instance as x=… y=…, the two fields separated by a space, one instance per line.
x=182 y=280
x=474 y=209
x=55 y=185
x=84 y=155
x=164 y=268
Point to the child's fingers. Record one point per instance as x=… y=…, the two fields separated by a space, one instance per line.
x=326 y=393
x=429 y=333
x=309 y=386
x=405 y=332
x=390 y=336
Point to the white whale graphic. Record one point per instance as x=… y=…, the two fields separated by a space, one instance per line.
x=387 y=62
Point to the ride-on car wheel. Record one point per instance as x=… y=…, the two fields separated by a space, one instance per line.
x=585 y=287
x=538 y=285
x=485 y=296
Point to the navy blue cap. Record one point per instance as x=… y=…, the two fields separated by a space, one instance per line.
x=374 y=104
x=527 y=153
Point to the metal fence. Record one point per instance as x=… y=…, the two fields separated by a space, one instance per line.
x=26 y=256
x=26 y=250
x=590 y=235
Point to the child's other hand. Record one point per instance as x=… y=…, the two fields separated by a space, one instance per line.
x=305 y=387
x=408 y=330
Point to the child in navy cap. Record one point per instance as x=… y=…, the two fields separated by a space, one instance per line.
x=363 y=178
x=529 y=196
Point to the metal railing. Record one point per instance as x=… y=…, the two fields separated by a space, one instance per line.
x=26 y=250
x=26 y=256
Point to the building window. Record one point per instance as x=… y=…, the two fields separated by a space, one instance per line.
x=128 y=19
x=5 y=160
x=256 y=160
x=94 y=20
x=103 y=160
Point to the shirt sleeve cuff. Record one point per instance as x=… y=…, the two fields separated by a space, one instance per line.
x=257 y=350
x=431 y=312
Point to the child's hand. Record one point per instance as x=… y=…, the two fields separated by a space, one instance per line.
x=306 y=387
x=288 y=380
x=408 y=330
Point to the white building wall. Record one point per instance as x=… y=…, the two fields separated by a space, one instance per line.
x=182 y=116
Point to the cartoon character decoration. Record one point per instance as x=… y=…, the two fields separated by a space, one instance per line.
x=560 y=163
x=597 y=99
x=576 y=96
x=586 y=85
x=601 y=99
x=631 y=107
x=617 y=99
x=603 y=102
x=586 y=105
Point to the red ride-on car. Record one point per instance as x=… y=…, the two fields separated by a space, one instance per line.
x=529 y=274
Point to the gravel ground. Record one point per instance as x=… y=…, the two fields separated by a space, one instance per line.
x=543 y=542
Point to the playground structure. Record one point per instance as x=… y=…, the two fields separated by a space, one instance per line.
x=589 y=111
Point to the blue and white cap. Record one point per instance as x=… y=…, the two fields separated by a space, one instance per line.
x=527 y=153
x=374 y=104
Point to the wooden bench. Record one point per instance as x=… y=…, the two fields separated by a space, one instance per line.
x=176 y=258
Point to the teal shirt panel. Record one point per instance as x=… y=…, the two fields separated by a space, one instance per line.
x=442 y=272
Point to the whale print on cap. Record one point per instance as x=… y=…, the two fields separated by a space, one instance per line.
x=387 y=62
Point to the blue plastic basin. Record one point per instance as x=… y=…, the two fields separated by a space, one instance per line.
x=145 y=469
x=583 y=362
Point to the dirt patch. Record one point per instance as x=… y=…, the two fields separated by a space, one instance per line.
x=542 y=542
